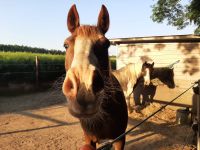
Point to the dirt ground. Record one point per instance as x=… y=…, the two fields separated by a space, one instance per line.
x=41 y=122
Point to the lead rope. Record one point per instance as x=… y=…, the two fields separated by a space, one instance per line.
x=108 y=145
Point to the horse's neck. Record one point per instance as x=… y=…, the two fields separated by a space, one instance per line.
x=120 y=72
x=157 y=72
x=136 y=70
x=129 y=73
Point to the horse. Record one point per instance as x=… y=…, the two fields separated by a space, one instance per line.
x=129 y=75
x=163 y=75
x=94 y=95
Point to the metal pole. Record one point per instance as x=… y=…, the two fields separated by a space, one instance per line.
x=198 y=118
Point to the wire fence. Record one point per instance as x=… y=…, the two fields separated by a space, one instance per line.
x=30 y=72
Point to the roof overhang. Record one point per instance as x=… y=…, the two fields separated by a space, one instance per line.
x=156 y=39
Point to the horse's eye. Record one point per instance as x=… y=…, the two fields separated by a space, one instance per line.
x=107 y=43
x=104 y=42
x=66 y=46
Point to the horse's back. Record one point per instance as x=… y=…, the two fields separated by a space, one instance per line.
x=124 y=75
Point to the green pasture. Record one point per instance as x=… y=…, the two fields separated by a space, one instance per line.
x=20 y=66
x=28 y=57
x=113 y=62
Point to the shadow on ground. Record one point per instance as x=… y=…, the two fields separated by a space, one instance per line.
x=31 y=101
x=154 y=135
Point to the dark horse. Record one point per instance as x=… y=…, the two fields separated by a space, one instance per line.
x=94 y=95
x=163 y=74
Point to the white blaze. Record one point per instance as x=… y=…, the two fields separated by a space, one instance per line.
x=147 y=77
x=83 y=57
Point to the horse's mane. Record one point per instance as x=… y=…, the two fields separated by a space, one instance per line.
x=131 y=67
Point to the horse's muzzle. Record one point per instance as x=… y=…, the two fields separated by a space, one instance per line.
x=85 y=104
x=89 y=79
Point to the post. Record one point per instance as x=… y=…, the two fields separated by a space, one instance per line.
x=36 y=70
x=198 y=118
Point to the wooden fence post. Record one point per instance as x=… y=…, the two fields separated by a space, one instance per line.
x=198 y=118
x=36 y=70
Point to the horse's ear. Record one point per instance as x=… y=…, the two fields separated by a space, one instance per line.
x=103 y=20
x=73 y=19
x=152 y=64
x=145 y=63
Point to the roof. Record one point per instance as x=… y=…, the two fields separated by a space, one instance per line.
x=156 y=39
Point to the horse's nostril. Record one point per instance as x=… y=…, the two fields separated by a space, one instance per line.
x=97 y=83
x=70 y=85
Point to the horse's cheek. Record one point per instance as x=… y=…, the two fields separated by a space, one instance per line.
x=68 y=60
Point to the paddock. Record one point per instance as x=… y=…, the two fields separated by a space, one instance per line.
x=41 y=121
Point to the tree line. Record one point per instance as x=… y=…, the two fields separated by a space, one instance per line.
x=18 y=48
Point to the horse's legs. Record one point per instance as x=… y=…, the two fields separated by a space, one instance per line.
x=136 y=95
x=128 y=97
x=119 y=145
x=128 y=103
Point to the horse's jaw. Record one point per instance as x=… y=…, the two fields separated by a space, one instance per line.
x=85 y=105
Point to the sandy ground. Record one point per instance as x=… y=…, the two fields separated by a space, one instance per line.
x=41 y=122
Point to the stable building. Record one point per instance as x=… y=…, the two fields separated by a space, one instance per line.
x=163 y=51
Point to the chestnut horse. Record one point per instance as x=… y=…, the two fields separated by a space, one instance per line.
x=94 y=95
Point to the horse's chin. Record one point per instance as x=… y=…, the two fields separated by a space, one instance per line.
x=86 y=110
x=171 y=87
x=80 y=115
x=82 y=112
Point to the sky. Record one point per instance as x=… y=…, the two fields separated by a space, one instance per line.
x=42 y=23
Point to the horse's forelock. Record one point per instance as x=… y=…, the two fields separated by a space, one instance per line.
x=88 y=31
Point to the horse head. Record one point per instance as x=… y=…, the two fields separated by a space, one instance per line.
x=165 y=75
x=87 y=63
x=147 y=69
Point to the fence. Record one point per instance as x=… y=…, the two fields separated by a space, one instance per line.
x=34 y=73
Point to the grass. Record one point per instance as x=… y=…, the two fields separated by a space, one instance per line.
x=20 y=66
x=113 y=62
x=25 y=61
x=27 y=57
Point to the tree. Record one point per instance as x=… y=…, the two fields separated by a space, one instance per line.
x=177 y=13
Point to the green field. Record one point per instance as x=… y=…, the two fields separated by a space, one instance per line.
x=28 y=57
x=20 y=66
x=113 y=62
